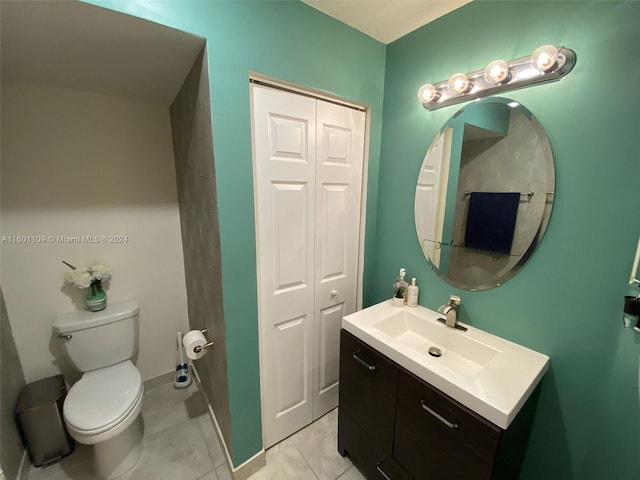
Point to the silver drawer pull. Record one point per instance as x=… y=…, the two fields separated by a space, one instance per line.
x=379 y=468
x=362 y=362
x=67 y=336
x=438 y=416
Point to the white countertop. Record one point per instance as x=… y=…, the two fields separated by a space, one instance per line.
x=488 y=374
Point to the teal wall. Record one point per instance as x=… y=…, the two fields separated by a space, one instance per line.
x=293 y=42
x=567 y=300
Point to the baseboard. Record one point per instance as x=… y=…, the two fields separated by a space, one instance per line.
x=158 y=381
x=248 y=468
x=251 y=466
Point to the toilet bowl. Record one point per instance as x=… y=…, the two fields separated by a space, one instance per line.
x=103 y=407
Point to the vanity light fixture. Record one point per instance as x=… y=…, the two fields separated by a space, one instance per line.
x=547 y=64
x=497 y=72
x=458 y=84
x=545 y=58
x=427 y=93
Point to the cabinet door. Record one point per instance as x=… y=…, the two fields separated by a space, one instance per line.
x=436 y=437
x=368 y=383
x=366 y=454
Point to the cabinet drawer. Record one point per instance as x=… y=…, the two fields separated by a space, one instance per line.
x=368 y=383
x=436 y=437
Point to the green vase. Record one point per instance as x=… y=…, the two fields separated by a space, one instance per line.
x=96 y=299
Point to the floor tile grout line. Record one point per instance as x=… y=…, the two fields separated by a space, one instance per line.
x=308 y=429
x=308 y=464
x=204 y=437
x=206 y=444
x=188 y=419
x=222 y=460
x=209 y=472
x=175 y=424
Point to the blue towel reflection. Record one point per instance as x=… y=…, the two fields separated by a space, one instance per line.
x=491 y=221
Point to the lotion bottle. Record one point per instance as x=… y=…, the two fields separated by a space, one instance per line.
x=412 y=294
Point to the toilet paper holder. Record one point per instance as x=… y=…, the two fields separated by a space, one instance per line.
x=206 y=346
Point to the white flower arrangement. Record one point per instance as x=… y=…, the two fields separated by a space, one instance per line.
x=85 y=277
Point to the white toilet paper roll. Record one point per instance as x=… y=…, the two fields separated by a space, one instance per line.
x=191 y=340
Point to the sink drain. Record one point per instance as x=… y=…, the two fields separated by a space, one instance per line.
x=435 y=352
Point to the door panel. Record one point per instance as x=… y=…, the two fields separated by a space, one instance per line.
x=284 y=128
x=290 y=361
x=335 y=144
x=288 y=139
x=330 y=323
x=290 y=209
x=334 y=243
x=340 y=156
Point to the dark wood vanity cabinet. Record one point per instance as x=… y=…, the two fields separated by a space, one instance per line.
x=395 y=426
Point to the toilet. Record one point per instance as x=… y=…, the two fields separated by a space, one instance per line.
x=103 y=407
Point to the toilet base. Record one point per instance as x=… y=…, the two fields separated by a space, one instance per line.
x=116 y=456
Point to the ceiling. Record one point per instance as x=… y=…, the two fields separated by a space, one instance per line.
x=126 y=56
x=78 y=46
x=386 y=20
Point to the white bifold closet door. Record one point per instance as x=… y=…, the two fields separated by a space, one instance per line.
x=308 y=160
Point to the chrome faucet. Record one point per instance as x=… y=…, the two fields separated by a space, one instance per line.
x=451 y=310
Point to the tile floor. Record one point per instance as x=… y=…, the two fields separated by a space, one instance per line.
x=310 y=454
x=181 y=444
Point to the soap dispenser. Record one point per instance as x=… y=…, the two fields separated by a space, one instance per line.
x=412 y=294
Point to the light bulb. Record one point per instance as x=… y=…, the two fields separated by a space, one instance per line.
x=428 y=93
x=496 y=72
x=458 y=83
x=544 y=58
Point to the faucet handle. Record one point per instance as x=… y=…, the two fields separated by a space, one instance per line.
x=454 y=300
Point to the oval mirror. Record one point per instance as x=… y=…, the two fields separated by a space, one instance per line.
x=484 y=193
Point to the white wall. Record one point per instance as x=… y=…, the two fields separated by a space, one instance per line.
x=73 y=164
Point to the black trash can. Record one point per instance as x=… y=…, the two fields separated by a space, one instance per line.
x=40 y=420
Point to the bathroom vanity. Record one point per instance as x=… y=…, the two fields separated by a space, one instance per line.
x=405 y=414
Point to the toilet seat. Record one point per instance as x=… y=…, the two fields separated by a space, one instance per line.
x=103 y=402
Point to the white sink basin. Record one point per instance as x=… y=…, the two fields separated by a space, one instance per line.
x=489 y=375
x=460 y=353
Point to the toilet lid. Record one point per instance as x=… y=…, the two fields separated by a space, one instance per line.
x=103 y=397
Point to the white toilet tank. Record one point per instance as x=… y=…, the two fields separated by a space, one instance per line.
x=95 y=340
